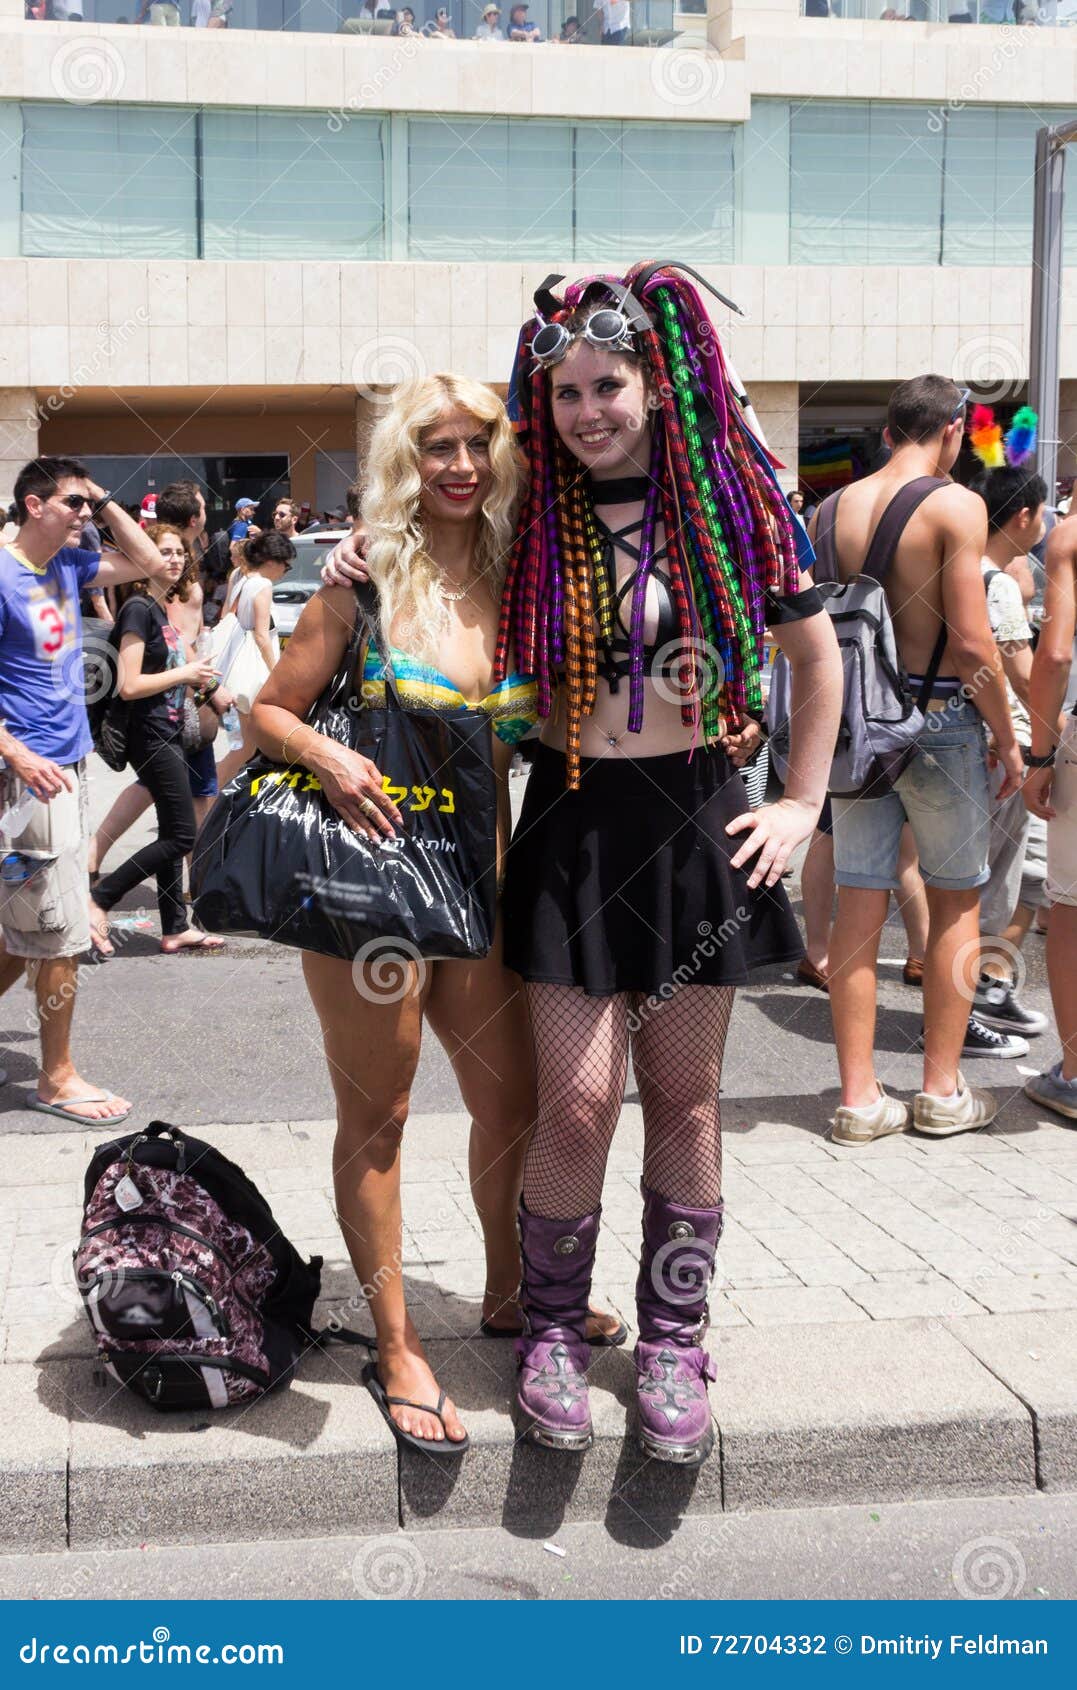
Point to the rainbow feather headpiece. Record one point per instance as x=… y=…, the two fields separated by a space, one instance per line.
x=997 y=451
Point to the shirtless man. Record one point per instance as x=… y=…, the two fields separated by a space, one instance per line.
x=1051 y=792
x=936 y=579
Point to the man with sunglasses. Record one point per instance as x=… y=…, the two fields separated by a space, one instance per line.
x=935 y=535
x=44 y=742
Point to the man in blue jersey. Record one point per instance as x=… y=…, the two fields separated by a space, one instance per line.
x=44 y=742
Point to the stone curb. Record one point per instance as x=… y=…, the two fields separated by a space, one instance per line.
x=819 y=1415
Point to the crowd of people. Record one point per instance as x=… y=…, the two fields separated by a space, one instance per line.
x=614 y=18
x=1024 y=13
x=553 y=579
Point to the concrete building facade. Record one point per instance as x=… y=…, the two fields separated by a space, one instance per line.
x=220 y=248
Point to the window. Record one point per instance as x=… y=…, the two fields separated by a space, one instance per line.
x=108 y=181
x=990 y=160
x=508 y=188
x=865 y=184
x=641 y=187
x=282 y=184
x=489 y=189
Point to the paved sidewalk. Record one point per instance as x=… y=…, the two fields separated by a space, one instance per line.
x=893 y=1322
x=981 y=1224
x=896 y=1322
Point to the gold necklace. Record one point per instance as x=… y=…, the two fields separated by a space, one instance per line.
x=454 y=598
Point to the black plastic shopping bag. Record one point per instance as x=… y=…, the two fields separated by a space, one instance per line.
x=274 y=860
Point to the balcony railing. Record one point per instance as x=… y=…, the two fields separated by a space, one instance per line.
x=649 y=23
x=1045 y=13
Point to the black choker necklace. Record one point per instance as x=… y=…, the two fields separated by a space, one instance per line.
x=627 y=490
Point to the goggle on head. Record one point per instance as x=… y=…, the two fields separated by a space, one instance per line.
x=610 y=327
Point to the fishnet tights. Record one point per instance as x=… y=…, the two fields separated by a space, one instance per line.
x=581 y=1052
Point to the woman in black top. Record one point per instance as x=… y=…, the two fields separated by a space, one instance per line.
x=152 y=675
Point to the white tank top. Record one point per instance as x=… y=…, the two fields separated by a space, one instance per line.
x=243 y=605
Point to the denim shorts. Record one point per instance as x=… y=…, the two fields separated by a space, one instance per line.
x=943 y=794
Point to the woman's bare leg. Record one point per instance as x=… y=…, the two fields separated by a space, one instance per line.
x=131 y=803
x=479 y=1013
x=372 y=1047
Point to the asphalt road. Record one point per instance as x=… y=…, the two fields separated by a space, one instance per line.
x=232 y=1036
x=1015 y=1547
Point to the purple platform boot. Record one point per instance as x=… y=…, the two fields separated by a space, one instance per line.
x=672 y=1370
x=558 y=1260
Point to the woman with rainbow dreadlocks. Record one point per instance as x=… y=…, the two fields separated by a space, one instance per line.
x=654 y=549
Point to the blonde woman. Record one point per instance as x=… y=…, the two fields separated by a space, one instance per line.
x=439 y=509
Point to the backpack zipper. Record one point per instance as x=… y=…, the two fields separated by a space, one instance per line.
x=178 y=1279
x=185 y=1232
x=169 y=1226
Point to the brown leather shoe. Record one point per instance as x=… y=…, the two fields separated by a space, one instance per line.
x=809 y=975
x=913 y=971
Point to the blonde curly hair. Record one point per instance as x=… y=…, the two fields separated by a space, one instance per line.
x=399 y=563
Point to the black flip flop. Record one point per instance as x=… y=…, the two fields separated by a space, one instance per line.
x=600 y=1341
x=448 y=1446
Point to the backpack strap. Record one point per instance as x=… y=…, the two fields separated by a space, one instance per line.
x=825 y=567
x=326 y=1335
x=884 y=544
x=891 y=525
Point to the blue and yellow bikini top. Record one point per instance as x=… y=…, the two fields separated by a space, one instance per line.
x=512 y=707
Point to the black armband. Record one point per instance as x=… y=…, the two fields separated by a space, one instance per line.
x=792 y=607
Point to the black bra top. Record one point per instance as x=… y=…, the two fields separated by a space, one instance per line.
x=618 y=664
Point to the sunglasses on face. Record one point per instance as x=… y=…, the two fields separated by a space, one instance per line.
x=966 y=395
x=75 y=501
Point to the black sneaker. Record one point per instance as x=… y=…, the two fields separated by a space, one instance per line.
x=981 y=1040
x=995 y=1004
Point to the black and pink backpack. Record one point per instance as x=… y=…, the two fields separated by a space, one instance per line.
x=195 y=1296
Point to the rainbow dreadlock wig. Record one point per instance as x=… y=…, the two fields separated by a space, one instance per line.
x=729 y=532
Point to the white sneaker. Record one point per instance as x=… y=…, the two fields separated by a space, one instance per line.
x=871 y=1120
x=937 y=1116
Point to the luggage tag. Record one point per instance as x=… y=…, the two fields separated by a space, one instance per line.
x=127 y=1194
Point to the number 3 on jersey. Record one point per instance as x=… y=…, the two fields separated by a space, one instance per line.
x=50 y=629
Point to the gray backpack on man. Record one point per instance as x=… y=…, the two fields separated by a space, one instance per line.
x=880 y=719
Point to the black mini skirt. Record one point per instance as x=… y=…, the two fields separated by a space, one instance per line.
x=626 y=885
